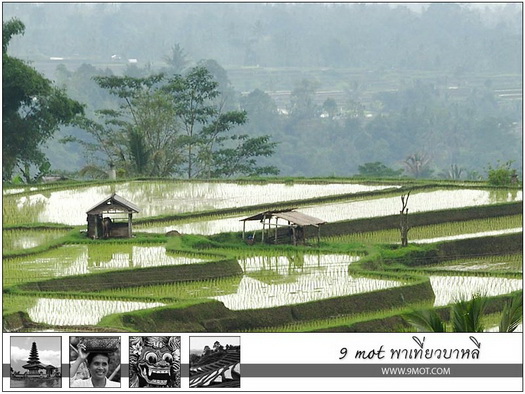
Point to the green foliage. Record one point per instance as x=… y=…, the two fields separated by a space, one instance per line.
x=33 y=110
x=418 y=165
x=502 y=174
x=467 y=315
x=426 y=321
x=224 y=253
x=454 y=172
x=176 y=59
x=378 y=170
x=444 y=100
x=169 y=126
x=512 y=315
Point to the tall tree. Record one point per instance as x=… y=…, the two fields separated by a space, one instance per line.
x=166 y=127
x=33 y=110
x=302 y=100
x=142 y=136
x=211 y=149
x=194 y=95
x=177 y=59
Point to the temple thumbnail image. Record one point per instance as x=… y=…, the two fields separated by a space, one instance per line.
x=32 y=370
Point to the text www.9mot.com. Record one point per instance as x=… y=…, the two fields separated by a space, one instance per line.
x=420 y=371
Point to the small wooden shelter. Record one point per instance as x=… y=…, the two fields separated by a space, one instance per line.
x=290 y=229
x=111 y=218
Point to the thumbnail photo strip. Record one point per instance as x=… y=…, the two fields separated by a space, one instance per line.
x=35 y=362
x=94 y=362
x=154 y=361
x=215 y=362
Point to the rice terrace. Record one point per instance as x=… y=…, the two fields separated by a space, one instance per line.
x=261 y=255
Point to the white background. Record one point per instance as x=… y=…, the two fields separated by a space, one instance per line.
x=317 y=348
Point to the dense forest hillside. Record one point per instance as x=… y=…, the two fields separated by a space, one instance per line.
x=434 y=91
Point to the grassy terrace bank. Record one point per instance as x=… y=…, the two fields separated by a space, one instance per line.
x=203 y=315
x=212 y=316
x=347 y=227
x=136 y=277
x=394 y=321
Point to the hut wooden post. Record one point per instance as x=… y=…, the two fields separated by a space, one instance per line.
x=243 y=228
x=130 y=231
x=276 y=220
x=264 y=226
x=318 y=235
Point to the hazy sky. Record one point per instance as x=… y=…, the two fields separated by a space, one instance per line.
x=49 y=351
x=197 y=344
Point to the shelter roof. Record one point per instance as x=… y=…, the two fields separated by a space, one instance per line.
x=290 y=215
x=114 y=203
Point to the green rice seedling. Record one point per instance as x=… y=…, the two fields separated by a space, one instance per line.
x=23 y=239
x=512 y=263
x=179 y=290
x=84 y=259
x=20 y=210
x=346 y=320
x=64 y=312
x=450 y=289
x=421 y=201
x=255 y=293
x=433 y=231
x=15 y=302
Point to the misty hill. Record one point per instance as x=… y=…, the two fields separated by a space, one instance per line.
x=442 y=37
x=337 y=85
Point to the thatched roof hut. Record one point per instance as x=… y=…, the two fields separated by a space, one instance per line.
x=293 y=222
x=110 y=218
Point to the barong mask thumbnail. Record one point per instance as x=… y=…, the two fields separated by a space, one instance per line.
x=154 y=361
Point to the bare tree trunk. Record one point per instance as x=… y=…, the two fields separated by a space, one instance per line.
x=403 y=222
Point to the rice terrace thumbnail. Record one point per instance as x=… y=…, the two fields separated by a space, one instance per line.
x=302 y=255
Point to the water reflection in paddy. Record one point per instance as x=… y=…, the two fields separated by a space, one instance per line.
x=466 y=236
x=163 y=197
x=419 y=202
x=62 y=312
x=276 y=281
x=83 y=259
x=25 y=239
x=450 y=289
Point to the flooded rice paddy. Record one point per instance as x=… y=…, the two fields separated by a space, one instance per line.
x=418 y=202
x=287 y=280
x=25 y=239
x=267 y=281
x=511 y=263
x=162 y=197
x=467 y=236
x=84 y=259
x=63 y=312
x=451 y=289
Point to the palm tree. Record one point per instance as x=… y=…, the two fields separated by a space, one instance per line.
x=426 y=321
x=467 y=316
x=512 y=315
x=417 y=165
